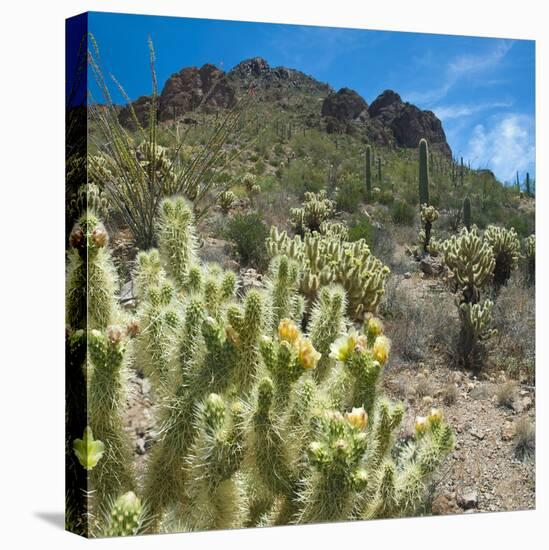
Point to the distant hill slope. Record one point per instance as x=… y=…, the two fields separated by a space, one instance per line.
x=388 y=121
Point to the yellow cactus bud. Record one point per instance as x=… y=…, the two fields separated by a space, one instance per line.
x=358 y=418
x=344 y=345
x=435 y=416
x=308 y=356
x=381 y=349
x=374 y=327
x=421 y=424
x=288 y=331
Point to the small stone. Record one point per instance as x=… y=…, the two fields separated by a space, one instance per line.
x=407 y=275
x=508 y=431
x=140 y=446
x=468 y=499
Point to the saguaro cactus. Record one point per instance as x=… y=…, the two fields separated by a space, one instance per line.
x=467 y=213
x=423 y=172
x=368 y=171
x=528 y=190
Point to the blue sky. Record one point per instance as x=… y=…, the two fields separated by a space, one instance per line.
x=483 y=89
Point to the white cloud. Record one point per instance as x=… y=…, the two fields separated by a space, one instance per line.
x=445 y=112
x=460 y=68
x=506 y=146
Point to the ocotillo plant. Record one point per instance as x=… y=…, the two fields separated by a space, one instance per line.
x=368 y=171
x=467 y=213
x=461 y=172
x=423 y=172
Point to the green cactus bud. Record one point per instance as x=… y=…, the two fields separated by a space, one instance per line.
x=88 y=450
x=125 y=517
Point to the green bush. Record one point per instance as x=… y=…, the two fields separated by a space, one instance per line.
x=361 y=228
x=523 y=225
x=248 y=232
x=402 y=213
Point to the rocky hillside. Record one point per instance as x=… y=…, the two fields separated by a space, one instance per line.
x=387 y=121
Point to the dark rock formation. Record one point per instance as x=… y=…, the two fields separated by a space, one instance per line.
x=344 y=105
x=407 y=123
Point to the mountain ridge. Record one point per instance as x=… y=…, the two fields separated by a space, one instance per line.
x=387 y=121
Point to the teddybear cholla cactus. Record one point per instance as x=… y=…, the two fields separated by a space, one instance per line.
x=329 y=259
x=316 y=209
x=530 y=255
x=506 y=248
x=248 y=434
x=429 y=214
x=472 y=263
x=226 y=201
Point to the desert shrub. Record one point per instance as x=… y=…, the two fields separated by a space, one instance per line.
x=506 y=394
x=525 y=439
x=248 y=232
x=449 y=394
x=514 y=319
x=360 y=227
x=402 y=213
x=524 y=225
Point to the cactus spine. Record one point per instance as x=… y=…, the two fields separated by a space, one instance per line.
x=423 y=172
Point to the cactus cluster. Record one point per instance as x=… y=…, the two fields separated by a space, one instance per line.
x=429 y=214
x=506 y=248
x=471 y=261
x=529 y=245
x=226 y=201
x=260 y=421
x=326 y=259
x=316 y=209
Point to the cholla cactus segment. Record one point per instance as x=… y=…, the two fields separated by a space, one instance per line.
x=226 y=201
x=107 y=396
x=176 y=239
x=283 y=289
x=326 y=323
x=88 y=450
x=213 y=459
x=471 y=260
x=316 y=210
x=91 y=277
x=506 y=248
x=126 y=516
x=148 y=272
x=159 y=320
x=334 y=229
x=335 y=455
